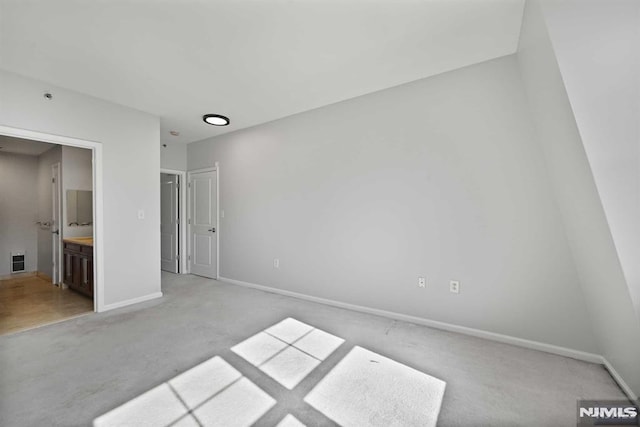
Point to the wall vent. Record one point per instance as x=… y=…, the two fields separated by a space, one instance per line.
x=18 y=264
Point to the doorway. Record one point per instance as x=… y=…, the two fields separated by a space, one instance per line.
x=94 y=275
x=203 y=222
x=173 y=224
x=170 y=222
x=40 y=212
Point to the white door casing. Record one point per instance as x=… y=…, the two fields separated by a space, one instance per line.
x=98 y=244
x=56 y=224
x=169 y=222
x=203 y=223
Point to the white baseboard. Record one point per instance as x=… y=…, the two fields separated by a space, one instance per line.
x=621 y=382
x=131 y=301
x=520 y=342
x=506 y=339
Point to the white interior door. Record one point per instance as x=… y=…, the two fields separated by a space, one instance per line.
x=203 y=223
x=56 y=226
x=169 y=222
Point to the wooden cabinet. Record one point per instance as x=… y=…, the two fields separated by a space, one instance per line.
x=78 y=267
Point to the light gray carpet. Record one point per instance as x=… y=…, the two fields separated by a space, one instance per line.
x=72 y=372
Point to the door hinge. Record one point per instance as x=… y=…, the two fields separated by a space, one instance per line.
x=178 y=257
x=178 y=221
x=189 y=220
x=189 y=185
x=53 y=180
x=189 y=258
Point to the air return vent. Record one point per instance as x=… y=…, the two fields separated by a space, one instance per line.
x=18 y=263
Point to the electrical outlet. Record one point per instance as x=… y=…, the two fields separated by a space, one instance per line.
x=454 y=286
x=422 y=282
x=276 y=263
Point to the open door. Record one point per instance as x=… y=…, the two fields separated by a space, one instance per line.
x=169 y=222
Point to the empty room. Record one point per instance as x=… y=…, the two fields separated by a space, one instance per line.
x=321 y=213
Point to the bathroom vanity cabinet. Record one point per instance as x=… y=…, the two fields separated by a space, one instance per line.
x=78 y=264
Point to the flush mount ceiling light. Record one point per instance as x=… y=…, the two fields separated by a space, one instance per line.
x=215 y=119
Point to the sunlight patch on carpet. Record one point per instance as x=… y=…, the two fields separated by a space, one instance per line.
x=362 y=389
x=367 y=389
x=288 y=351
x=290 y=421
x=212 y=393
x=157 y=407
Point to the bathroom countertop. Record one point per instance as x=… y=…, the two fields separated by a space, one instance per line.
x=87 y=241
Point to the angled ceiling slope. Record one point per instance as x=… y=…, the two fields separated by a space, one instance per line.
x=254 y=61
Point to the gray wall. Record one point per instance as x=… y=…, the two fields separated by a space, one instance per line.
x=614 y=322
x=18 y=209
x=174 y=156
x=597 y=46
x=45 y=208
x=441 y=177
x=131 y=164
x=77 y=174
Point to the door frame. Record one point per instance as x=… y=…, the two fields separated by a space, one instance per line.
x=182 y=210
x=216 y=169
x=56 y=189
x=98 y=199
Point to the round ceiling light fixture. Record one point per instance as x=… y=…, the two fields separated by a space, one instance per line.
x=216 y=120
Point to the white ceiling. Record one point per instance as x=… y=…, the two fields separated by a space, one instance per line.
x=252 y=60
x=23 y=146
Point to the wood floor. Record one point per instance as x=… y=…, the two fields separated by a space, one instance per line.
x=28 y=301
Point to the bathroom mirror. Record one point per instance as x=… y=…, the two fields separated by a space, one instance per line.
x=79 y=207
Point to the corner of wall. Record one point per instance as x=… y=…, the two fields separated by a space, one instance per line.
x=603 y=283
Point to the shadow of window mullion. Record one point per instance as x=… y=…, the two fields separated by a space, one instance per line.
x=213 y=396
x=290 y=345
x=186 y=407
x=327 y=365
x=253 y=373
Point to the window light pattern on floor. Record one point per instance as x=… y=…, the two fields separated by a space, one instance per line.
x=212 y=394
x=367 y=389
x=290 y=421
x=363 y=389
x=288 y=351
